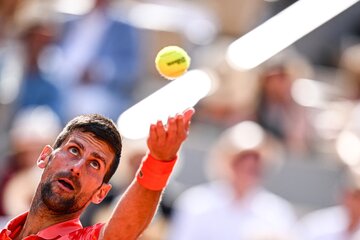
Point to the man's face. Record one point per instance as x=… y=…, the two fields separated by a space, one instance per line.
x=246 y=170
x=278 y=86
x=73 y=176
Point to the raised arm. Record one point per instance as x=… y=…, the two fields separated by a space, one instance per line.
x=138 y=205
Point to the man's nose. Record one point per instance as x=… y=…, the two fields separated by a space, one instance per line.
x=76 y=168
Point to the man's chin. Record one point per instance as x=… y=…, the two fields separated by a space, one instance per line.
x=57 y=200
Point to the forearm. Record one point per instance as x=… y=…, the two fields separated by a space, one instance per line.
x=138 y=205
x=132 y=214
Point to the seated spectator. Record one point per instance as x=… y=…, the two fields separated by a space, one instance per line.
x=234 y=204
x=100 y=63
x=31 y=129
x=36 y=88
x=276 y=111
x=340 y=222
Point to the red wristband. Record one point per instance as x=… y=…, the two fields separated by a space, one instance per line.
x=154 y=174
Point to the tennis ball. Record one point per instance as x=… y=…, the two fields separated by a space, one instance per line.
x=172 y=62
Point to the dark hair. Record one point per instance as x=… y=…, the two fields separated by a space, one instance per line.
x=103 y=129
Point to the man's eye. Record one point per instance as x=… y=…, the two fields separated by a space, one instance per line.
x=74 y=151
x=95 y=164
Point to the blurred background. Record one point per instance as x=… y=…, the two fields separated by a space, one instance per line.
x=273 y=152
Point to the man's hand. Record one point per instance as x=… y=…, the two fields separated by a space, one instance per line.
x=164 y=141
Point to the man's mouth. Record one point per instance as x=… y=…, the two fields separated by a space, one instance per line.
x=67 y=184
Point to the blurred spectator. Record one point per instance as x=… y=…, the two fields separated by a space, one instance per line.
x=13 y=22
x=16 y=15
x=35 y=87
x=341 y=222
x=349 y=64
x=8 y=11
x=277 y=112
x=234 y=205
x=31 y=130
x=100 y=66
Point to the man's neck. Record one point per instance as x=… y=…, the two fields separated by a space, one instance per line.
x=39 y=218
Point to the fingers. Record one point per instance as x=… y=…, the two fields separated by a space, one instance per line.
x=176 y=127
x=188 y=113
x=160 y=132
x=183 y=122
x=180 y=124
x=152 y=133
x=164 y=141
x=172 y=129
x=181 y=130
x=157 y=132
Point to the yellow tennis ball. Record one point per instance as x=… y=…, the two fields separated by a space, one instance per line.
x=172 y=62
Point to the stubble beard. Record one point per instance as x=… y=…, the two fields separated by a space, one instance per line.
x=61 y=204
x=56 y=203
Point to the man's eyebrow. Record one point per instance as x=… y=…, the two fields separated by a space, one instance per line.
x=77 y=143
x=98 y=156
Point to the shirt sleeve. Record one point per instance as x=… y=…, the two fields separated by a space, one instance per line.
x=88 y=233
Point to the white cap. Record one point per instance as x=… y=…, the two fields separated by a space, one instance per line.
x=246 y=136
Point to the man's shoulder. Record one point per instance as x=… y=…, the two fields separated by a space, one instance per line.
x=86 y=233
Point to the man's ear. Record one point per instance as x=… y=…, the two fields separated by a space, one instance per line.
x=44 y=156
x=101 y=193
